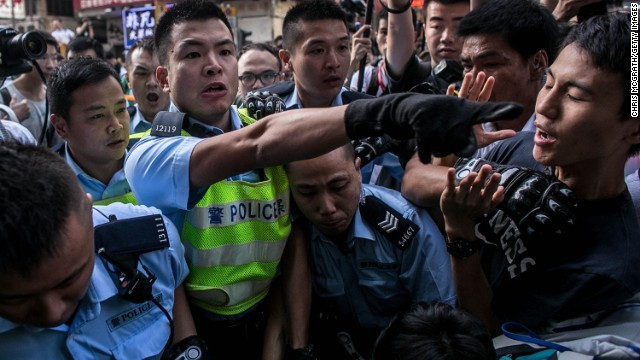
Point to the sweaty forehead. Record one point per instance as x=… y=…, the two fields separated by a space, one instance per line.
x=319 y=30
x=210 y=30
x=475 y=45
x=258 y=58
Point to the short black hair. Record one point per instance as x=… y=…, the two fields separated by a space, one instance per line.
x=381 y=15
x=184 y=11
x=307 y=11
x=261 y=46
x=48 y=38
x=526 y=25
x=38 y=193
x=147 y=44
x=82 y=43
x=444 y=2
x=71 y=75
x=605 y=39
x=434 y=331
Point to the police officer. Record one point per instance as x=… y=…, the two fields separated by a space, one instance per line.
x=371 y=253
x=64 y=295
x=142 y=62
x=89 y=112
x=316 y=49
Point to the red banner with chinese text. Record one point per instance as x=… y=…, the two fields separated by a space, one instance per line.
x=79 y=5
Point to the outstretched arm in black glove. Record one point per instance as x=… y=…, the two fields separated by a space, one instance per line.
x=441 y=124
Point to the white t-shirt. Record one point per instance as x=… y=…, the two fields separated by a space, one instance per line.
x=63 y=36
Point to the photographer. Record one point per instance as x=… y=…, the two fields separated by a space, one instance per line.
x=85 y=28
x=26 y=94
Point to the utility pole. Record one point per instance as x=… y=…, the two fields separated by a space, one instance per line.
x=13 y=16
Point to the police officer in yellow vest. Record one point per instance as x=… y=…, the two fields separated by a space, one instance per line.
x=90 y=113
x=215 y=176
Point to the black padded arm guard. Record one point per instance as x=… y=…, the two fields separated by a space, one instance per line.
x=537 y=202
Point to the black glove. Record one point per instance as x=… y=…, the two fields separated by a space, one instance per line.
x=369 y=148
x=538 y=203
x=261 y=104
x=441 y=124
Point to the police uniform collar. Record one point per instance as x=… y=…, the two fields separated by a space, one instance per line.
x=358 y=229
x=236 y=122
x=101 y=287
x=6 y=325
x=137 y=119
x=78 y=170
x=293 y=102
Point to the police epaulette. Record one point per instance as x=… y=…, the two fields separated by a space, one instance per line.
x=168 y=123
x=397 y=229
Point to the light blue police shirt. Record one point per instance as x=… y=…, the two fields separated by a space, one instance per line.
x=374 y=279
x=117 y=186
x=158 y=170
x=138 y=123
x=292 y=101
x=105 y=325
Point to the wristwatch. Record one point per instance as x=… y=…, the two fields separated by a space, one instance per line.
x=462 y=249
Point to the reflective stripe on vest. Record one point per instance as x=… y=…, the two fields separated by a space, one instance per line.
x=234 y=238
x=124 y=198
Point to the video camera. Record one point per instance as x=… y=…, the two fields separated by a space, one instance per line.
x=16 y=49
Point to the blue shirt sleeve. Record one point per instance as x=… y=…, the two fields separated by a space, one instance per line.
x=426 y=268
x=158 y=171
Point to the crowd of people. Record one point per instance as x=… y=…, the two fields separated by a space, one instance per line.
x=281 y=201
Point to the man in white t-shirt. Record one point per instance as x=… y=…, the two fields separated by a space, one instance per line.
x=62 y=35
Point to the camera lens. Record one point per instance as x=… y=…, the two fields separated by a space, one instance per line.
x=29 y=46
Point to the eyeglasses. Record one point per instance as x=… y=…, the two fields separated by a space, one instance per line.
x=267 y=78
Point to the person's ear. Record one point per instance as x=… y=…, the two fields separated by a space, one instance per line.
x=633 y=137
x=358 y=165
x=88 y=198
x=285 y=57
x=60 y=125
x=538 y=64
x=163 y=78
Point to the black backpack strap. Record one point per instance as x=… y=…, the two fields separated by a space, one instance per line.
x=6 y=96
x=384 y=218
x=168 y=124
x=373 y=82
